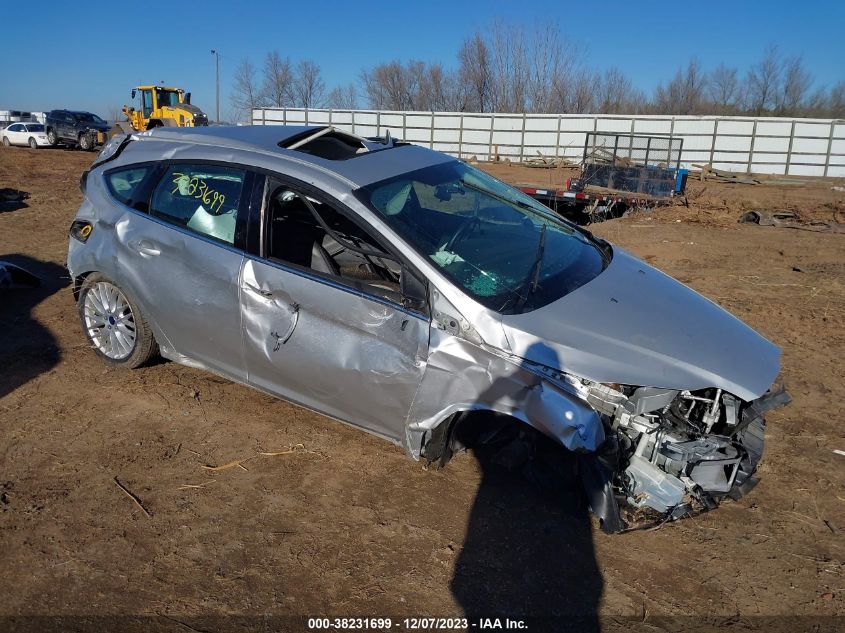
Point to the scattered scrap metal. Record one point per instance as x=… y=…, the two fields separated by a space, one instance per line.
x=12 y=199
x=789 y=220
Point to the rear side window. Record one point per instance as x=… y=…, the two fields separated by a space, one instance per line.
x=201 y=198
x=126 y=185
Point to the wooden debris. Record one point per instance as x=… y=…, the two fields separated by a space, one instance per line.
x=132 y=496
x=296 y=448
x=195 y=486
x=550 y=162
x=718 y=175
x=238 y=463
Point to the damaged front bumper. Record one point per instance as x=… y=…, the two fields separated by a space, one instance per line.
x=670 y=453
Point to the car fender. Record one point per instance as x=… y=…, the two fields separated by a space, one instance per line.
x=464 y=376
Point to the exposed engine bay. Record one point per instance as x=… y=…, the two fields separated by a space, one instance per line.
x=672 y=453
x=667 y=453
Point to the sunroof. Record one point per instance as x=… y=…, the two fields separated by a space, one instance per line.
x=328 y=143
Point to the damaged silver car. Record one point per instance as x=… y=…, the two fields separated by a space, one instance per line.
x=404 y=292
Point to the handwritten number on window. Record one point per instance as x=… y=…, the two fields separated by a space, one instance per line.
x=197 y=188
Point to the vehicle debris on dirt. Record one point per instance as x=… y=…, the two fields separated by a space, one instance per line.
x=789 y=220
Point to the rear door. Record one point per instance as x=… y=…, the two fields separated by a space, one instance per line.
x=325 y=326
x=185 y=256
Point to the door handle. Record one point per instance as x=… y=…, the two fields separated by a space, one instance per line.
x=281 y=339
x=146 y=247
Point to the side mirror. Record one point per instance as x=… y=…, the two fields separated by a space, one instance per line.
x=414 y=291
x=133 y=93
x=188 y=97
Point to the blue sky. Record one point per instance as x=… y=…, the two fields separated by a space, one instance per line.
x=50 y=61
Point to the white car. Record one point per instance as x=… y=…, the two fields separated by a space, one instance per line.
x=32 y=134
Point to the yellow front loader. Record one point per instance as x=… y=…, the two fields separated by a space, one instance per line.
x=160 y=107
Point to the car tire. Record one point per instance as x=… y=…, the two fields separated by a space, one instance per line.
x=115 y=327
x=6 y=141
x=33 y=143
x=52 y=139
x=86 y=142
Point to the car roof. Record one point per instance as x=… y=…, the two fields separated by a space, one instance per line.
x=381 y=161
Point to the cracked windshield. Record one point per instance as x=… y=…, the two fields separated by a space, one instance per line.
x=502 y=247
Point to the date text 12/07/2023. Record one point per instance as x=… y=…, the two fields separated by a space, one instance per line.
x=416 y=624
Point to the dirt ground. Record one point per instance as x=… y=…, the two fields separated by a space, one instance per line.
x=345 y=524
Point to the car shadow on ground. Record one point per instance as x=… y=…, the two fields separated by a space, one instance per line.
x=27 y=348
x=528 y=552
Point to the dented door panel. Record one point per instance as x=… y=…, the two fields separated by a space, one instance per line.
x=330 y=348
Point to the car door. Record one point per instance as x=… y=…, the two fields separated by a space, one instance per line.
x=317 y=332
x=16 y=134
x=66 y=126
x=186 y=254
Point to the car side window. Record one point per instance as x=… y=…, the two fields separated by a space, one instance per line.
x=201 y=198
x=346 y=252
x=126 y=185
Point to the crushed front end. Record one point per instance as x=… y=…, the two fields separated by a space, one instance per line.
x=670 y=453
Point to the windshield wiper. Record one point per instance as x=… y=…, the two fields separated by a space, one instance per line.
x=501 y=198
x=533 y=278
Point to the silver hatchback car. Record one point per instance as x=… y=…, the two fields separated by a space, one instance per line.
x=407 y=293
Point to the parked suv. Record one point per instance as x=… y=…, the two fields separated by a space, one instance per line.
x=414 y=296
x=70 y=127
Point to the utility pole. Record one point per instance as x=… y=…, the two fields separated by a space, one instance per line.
x=217 y=80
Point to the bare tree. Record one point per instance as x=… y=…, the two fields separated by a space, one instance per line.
x=474 y=74
x=342 y=98
x=416 y=85
x=763 y=81
x=836 y=101
x=510 y=67
x=308 y=89
x=548 y=67
x=579 y=97
x=387 y=86
x=793 y=88
x=817 y=103
x=724 y=89
x=684 y=94
x=246 y=92
x=277 y=80
x=612 y=92
x=437 y=89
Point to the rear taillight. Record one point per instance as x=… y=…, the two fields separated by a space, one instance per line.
x=83 y=182
x=81 y=230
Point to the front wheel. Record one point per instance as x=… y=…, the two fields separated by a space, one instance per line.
x=113 y=324
x=6 y=141
x=33 y=143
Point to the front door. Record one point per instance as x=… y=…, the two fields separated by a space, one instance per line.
x=325 y=326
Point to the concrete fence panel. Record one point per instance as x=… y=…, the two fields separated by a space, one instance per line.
x=766 y=145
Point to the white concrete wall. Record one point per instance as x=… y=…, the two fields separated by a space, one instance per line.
x=766 y=145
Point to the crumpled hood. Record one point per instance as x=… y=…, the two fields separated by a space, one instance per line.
x=635 y=325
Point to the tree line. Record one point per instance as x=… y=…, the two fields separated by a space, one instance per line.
x=514 y=68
